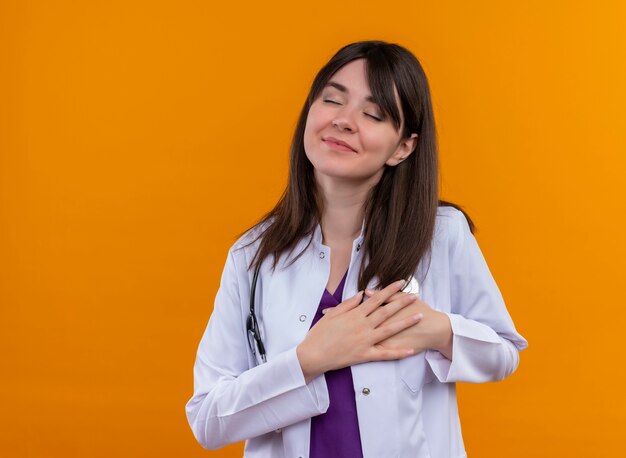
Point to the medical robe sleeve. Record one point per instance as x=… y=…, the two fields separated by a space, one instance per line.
x=485 y=344
x=233 y=401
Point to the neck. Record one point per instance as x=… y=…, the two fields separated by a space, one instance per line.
x=343 y=210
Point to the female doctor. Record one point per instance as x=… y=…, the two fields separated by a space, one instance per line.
x=346 y=315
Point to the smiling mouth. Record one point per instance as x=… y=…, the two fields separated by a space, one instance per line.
x=338 y=146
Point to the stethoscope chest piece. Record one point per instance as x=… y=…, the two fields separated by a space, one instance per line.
x=411 y=286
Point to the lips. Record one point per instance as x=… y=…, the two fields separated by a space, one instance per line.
x=338 y=142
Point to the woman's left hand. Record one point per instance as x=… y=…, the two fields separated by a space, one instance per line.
x=432 y=332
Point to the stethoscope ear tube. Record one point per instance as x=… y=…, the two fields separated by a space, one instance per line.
x=252 y=323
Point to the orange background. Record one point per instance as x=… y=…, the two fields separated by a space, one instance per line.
x=138 y=138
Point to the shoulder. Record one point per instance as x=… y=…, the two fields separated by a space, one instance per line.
x=450 y=220
x=451 y=228
x=248 y=243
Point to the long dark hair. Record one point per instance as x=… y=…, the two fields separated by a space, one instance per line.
x=401 y=208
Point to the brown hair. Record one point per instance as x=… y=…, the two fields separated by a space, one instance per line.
x=401 y=208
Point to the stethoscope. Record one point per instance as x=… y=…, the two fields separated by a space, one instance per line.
x=254 y=334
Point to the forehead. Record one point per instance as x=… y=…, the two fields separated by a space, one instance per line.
x=351 y=79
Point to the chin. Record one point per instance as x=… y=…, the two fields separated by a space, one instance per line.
x=341 y=174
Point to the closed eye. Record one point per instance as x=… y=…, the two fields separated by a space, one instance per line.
x=376 y=118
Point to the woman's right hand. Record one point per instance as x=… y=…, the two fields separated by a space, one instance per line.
x=350 y=332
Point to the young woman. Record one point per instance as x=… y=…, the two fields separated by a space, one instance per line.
x=346 y=315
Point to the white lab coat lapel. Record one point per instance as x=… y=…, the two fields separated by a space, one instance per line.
x=287 y=310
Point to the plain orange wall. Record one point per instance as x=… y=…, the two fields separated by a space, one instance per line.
x=135 y=137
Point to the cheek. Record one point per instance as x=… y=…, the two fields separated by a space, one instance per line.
x=309 y=140
x=377 y=142
x=314 y=119
x=313 y=127
x=308 y=135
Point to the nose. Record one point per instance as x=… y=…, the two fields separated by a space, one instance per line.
x=344 y=122
x=343 y=125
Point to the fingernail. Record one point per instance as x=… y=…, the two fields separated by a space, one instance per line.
x=410 y=351
x=418 y=317
x=400 y=283
x=324 y=312
x=369 y=291
x=413 y=296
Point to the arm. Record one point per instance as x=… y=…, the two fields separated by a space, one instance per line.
x=231 y=401
x=485 y=344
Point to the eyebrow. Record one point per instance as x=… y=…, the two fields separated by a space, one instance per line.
x=342 y=88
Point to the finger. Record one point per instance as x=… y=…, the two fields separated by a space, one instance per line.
x=381 y=314
x=348 y=304
x=391 y=329
x=379 y=353
x=371 y=292
x=328 y=310
x=381 y=297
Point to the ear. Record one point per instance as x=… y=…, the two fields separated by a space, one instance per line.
x=405 y=149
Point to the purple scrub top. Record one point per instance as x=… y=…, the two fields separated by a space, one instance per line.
x=336 y=432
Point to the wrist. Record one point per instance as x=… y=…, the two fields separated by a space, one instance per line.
x=445 y=342
x=307 y=365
